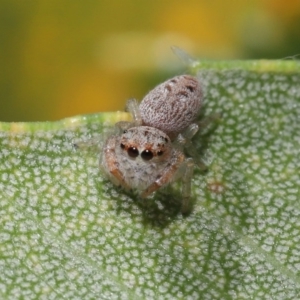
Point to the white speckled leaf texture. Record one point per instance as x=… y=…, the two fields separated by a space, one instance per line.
x=67 y=233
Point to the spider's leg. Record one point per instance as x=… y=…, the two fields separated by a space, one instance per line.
x=187 y=134
x=208 y=120
x=167 y=175
x=187 y=59
x=183 y=141
x=110 y=165
x=190 y=131
x=132 y=106
x=186 y=185
x=192 y=151
x=123 y=125
x=90 y=144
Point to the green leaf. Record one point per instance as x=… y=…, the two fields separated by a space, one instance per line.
x=66 y=232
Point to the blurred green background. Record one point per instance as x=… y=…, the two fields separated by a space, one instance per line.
x=60 y=58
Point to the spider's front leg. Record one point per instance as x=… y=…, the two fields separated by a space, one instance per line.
x=110 y=165
x=167 y=175
x=178 y=168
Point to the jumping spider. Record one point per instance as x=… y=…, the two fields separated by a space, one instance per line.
x=148 y=153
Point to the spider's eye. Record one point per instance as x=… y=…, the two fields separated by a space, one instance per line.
x=159 y=153
x=146 y=154
x=122 y=146
x=133 y=152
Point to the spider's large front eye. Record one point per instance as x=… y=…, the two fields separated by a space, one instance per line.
x=133 y=152
x=146 y=154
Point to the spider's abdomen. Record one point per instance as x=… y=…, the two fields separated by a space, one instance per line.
x=172 y=105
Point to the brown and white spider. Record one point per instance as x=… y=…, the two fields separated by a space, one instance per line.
x=148 y=153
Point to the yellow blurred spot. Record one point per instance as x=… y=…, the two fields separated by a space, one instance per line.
x=92 y=91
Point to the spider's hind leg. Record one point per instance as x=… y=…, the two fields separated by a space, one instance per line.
x=186 y=185
x=208 y=120
x=132 y=106
x=183 y=142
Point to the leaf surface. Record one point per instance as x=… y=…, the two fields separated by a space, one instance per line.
x=66 y=232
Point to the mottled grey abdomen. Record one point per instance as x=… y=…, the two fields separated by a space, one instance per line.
x=172 y=105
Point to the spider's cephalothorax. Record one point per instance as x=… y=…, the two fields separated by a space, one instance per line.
x=142 y=158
